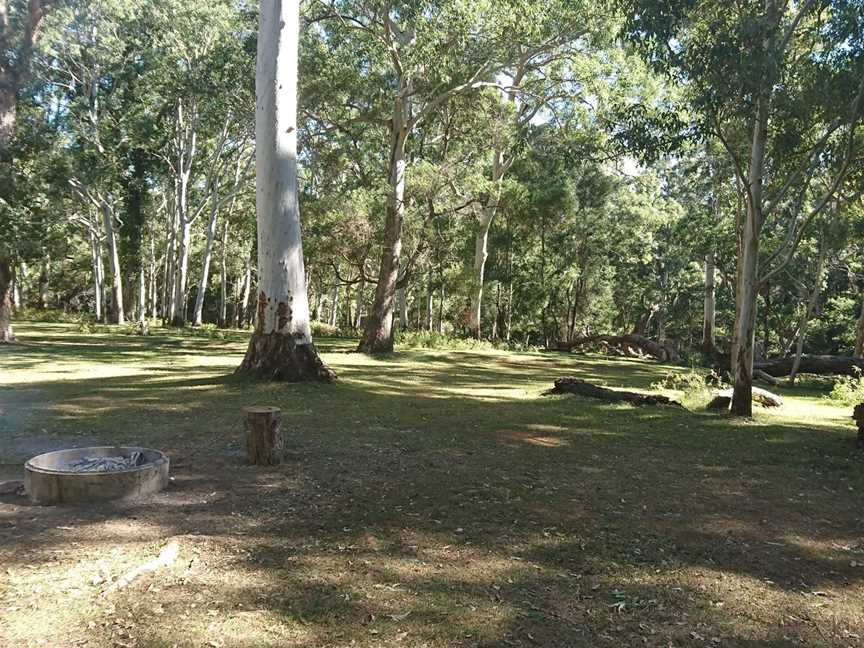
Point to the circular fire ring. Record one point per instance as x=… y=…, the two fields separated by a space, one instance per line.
x=94 y=474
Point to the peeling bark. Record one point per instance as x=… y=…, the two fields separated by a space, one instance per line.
x=378 y=331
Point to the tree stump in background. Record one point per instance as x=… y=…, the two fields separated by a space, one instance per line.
x=265 y=445
x=858 y=415
x=720 y=403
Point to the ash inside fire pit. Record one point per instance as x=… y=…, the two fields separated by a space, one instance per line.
x=90 y=474
x=107 y=464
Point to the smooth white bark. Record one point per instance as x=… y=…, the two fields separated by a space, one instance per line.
x=709 y=312
x=282 y=300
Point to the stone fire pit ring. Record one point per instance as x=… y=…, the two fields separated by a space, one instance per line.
x=62 y=477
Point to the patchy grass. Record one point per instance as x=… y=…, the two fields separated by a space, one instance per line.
x=431 y=498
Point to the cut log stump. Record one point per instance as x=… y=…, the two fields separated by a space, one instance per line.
x=571 y=385
x=265 y=445
x=720 y=403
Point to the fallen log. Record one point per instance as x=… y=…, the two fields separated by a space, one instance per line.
x=822 y=365
x=662 y=351
x=758 y=374
x=761 y=396
x=571 y=385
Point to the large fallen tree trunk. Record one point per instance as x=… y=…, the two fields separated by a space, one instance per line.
x=662 y=351
x=835 y=365
x=571 y=385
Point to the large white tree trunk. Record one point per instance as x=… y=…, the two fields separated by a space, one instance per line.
x=281 y=346
x=185 y=149
x=198 y=312
x=152 y=278
x=178 y=316
x=98 y=277
x=117 y=316
x=334 y=306
x=747 y=280
x=6 y=333
x=223 y=288
x=378 y=329
x=481 y=253
x=709 y=316
x=859 y=333
x=430 y=303
x=44 y=281
x=16 y=288
x=402 y=301
x=170 y=275
x=142 y=300
x=242 y=312
x=358 y=303
x=808 y=312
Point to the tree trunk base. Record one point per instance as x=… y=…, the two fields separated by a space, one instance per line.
x=720 y=403
x=375 y=344
x=7 y=337
x=279 y=357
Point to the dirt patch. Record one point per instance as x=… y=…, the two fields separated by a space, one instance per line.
x=542 y=440
x=21 y=436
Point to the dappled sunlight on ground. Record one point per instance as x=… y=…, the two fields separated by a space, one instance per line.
x=428 y=499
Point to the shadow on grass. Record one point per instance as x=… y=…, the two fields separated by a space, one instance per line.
x=446 y=487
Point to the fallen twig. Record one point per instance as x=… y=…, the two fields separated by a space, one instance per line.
x=166 y=557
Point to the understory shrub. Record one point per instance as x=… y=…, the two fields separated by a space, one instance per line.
x=322 y=329
x=848 y=390
x=435 y=340
x=697 y=387
x=52 y=316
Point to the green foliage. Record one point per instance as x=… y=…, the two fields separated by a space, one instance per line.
x=848 y=390
x=53 y=315
x=324 y=330
x=435 y=340
x=694 y=386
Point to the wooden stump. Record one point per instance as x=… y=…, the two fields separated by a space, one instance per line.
x=720 y=403
x=265 y=445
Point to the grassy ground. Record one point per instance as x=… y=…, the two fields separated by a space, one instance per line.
x=430 y=499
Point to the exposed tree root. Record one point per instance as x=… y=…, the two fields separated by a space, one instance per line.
x=279 y=357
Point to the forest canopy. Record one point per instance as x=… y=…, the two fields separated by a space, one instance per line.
x=534 y=174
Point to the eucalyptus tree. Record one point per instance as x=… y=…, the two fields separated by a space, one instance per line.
x=781 y=85
x=281 y=346
x=551 y=45
x=426 y=52
x=20 y=22
x=84 y=63
x=198 y=46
